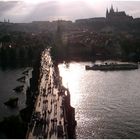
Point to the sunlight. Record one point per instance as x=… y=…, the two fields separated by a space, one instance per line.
x=40 y=1
x=97 y=4
x=34 y=1
x=30 y=1
x=60 y=1
x=71 y=81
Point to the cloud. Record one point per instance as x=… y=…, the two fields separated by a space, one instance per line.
x=5 y=6
x=23 y=11
x=15 y=10
x=43 y=11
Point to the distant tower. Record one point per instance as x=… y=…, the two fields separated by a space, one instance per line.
x=111 y=9
x=116 y=9
x=106 y=12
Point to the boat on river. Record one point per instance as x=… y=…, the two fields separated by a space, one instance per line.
x=112 y=66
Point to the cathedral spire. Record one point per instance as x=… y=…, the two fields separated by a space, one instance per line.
x=107 y=12
x=111 y=9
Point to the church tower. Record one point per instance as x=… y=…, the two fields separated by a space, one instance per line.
x=111 y=9
x=117 y=16
x=106 y=12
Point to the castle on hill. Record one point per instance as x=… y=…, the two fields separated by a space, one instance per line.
x=113 y=15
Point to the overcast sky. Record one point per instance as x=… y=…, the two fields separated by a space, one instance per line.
x=36 y=10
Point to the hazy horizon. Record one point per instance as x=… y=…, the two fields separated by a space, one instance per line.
x=48 y=10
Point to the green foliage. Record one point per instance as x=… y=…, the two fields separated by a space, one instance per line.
x=5 y=38
x=131 y=49
x=23 y=49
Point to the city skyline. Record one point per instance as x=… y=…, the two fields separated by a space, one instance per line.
x=44 y=10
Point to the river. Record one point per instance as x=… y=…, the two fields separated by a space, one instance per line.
x=107 y=104
x=8 y=81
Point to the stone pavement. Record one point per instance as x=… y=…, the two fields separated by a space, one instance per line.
x=48 y=119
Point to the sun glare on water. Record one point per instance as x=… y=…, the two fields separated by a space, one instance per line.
x=70 y=80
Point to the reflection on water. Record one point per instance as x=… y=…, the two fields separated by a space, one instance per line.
x=106 y=103
x=71 y=78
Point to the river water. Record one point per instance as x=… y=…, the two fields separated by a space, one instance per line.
x=8 y=81
x=107 y=104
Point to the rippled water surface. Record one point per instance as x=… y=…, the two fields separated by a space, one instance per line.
x=107 y=104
